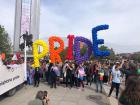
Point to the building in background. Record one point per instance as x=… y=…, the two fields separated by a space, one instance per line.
x=27 y=18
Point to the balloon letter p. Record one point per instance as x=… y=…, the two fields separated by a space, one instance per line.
x=37 y=55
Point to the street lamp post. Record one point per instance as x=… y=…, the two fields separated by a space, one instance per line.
x=25 y=62
x=27 y=42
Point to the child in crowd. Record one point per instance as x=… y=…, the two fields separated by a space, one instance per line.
x=81 y=74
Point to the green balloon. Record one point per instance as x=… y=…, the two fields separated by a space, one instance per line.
x=138 y=71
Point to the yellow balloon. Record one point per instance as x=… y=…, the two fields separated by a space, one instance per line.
x=38 y=55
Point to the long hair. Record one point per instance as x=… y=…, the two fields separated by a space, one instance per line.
x=40 y=95
x=132 y=90
x=45 y=93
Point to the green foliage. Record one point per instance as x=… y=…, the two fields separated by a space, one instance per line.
x=102 y=48
x=5 y=43
x=83 y=50
x=63 y=54
x=136 y=57
x=112 y=53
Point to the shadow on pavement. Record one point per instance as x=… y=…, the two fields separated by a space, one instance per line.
x=97 y=99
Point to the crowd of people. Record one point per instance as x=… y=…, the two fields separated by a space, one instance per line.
x=68 y=73
x=72 y=75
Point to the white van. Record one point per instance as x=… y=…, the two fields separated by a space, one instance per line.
x=11 y=76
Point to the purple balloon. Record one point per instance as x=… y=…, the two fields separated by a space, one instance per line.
x=79 y=59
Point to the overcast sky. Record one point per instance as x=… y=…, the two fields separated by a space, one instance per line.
x=78 y=17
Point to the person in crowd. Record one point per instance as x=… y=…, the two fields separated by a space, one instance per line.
x=92 y=72
x=60 y=78
x=106 y=73
x=32 y=75
x=125 y=70
x=68 y=74
x=53 y=77
x=46 y=72
x=28 y=73
x=76 y=81
x=125 y=67
x=132 y=68
x=41 y=71
x=57 y=72
x=36 y=77
x=73 y=74
x=116 y=79
x=98 y=76
x=86 y=68
x=40 y=99
x=89 y=73
x=131 y=93
x=48 y=78
x=64 y=70
x=81 y=74
x=43 y=67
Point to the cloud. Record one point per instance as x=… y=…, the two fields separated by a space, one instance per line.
x=7 y=14
x=78 y=17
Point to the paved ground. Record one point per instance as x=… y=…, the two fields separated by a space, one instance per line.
x=112 y=99
x=59 y=96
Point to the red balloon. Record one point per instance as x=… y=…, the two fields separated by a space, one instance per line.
x=69 y=55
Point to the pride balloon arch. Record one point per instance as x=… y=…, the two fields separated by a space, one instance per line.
x=55 y=53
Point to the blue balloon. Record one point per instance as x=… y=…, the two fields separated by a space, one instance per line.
x=97 y=41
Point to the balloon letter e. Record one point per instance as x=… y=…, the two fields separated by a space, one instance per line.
x=96 y=41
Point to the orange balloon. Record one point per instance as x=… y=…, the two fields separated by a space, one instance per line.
x=3 y=56
x=54 y=53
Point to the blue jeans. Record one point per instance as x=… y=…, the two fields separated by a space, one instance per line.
x=29 y=80
x=99 y=82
